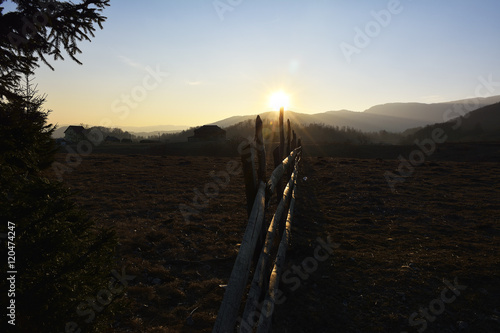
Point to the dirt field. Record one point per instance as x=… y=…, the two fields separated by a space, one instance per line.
x=394 y=254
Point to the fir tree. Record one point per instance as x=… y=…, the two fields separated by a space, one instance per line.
x=62 y=258
x=41 y=29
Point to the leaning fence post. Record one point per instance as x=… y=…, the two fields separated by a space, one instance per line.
x=294 y=141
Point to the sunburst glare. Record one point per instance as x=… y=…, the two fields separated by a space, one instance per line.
x=279 y=99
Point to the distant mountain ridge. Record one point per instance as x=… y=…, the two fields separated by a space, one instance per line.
x=428 y=112
x=480 y=125
x=392 y=117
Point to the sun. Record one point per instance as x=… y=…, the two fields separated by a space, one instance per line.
x=279 y=100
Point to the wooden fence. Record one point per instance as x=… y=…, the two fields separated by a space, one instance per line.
x=263 y=244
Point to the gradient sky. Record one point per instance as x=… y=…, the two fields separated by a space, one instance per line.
x=222 y=64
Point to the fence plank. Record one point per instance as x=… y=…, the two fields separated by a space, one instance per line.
x=270 y=300
x=258 y=193
x=226 y=318
x=278 y=172
x=261 y=270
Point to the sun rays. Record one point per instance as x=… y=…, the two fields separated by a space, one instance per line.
x=278 y=100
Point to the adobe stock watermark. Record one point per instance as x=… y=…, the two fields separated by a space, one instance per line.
x=139 y=93
x=372 y=29
x=122 y=106
x=219 y=181
x=293 y=277
x=427 y=147
x=437 y=306
x=210 y=191
x=103 y=298
x=223 y=6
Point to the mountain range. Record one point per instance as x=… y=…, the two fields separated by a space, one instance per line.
x=391 y=117
x=479 y=125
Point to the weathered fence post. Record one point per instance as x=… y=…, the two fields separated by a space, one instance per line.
x=261 y=150
x=261 y=176
x=282 y=135
x=288 y=137
x=249 y=175
x=278 y=154
x=271 y=246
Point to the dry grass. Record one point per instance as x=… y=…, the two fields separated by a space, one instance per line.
x=178 y=265
x=395 y=249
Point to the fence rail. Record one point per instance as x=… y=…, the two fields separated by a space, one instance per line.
x=265 y=245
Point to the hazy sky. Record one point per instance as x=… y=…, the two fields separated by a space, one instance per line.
x=195 y=62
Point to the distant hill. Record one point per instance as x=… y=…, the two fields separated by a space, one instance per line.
x=358 y=120
x=154 y=129
x=479 y=125
x=393 y=117
x=153 y=133
x=427 y=112
x=144 y=131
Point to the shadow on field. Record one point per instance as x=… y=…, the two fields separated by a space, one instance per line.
x=423 y=259
x=307 y=308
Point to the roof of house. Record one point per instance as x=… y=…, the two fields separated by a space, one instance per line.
x=76 y=129
x=209 y=129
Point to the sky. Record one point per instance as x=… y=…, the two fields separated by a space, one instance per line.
x=194 y=62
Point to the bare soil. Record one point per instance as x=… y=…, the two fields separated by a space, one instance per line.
x=396 y=252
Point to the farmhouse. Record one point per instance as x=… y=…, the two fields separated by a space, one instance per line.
x=208 y=133
x=74 y=134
